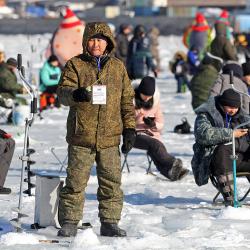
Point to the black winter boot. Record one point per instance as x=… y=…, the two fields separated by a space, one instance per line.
x=112 y=230
x=177 y=171
x=68 y=230
x=183 y=173
x=225 y=186
x=4 y=190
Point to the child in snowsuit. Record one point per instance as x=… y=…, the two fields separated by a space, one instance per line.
x=180 y=70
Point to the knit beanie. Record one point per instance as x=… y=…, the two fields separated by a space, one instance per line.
x=246 y=68
x=12 y=62
x=230 y=98
x=236 y=68
x=199 y=18
x=147 y=86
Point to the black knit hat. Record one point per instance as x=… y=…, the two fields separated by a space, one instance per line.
x=246 y=68
x=52 y=58
x=236 y=68
x=230 y=98
x=147 y=86
x=12 y=62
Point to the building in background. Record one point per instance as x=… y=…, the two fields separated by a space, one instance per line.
x=190 y=7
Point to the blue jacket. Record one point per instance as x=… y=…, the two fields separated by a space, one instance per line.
x=49 y=76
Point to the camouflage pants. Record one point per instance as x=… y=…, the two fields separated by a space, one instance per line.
x=109 y=194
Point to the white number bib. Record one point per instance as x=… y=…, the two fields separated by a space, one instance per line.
x=99 y=94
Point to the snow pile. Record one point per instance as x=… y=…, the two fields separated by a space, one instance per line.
x=85 y=238
x=232 y=213
x=18 y=238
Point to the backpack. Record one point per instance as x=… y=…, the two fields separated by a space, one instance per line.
x=201 y=163
x=183 y=128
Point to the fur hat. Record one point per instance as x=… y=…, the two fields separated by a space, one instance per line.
x=230 y=98
x=99 y=36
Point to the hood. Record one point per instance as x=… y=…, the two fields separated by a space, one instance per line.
x=94 y=28
x=122 y=27
x=139 y=30
x=221 y=29
x=212 y=107
x=181 y=54
x=210 y=59
x=154 y=31
x=209 y=107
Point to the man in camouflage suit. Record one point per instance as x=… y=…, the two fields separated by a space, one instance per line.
x=213 y=130
x=94 y=130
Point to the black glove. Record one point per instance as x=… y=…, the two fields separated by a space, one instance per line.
x=2 y=133
x=82 y=95
x=149 y=121
x=129 y=137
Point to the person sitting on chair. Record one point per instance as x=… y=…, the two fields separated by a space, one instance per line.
x=7 y=146
x=213 y=129
x=149 y=123
x=49 y=78
x=9 y=86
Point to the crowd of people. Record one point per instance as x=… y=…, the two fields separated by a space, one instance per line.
x=104 y=105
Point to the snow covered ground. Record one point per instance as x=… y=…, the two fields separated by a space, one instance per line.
x=157 y=214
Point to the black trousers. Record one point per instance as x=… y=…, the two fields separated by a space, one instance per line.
x=51 y=89
x=7 y=147
x=157 y=151
x=221 y=162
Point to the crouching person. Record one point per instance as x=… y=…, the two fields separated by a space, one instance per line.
x=96 y=87
x=7 y=146
x=213 y=131
x=149 y=123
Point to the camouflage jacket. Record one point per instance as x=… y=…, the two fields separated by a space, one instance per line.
x=97 y=126
x=209 y=131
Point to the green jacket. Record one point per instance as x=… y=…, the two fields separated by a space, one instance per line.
x=97 y=126
x=8 y=83
x=221 y=46
x=201 y=84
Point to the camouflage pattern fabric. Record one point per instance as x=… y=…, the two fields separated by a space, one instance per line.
x=97 y=126
x=109 y=194
x=94 y=131
x=209 y=131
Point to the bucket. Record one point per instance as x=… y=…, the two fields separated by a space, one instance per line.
x=20 y=113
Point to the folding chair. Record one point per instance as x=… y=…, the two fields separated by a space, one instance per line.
x=239 y=174
x=125 y=163
x=62 y=163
